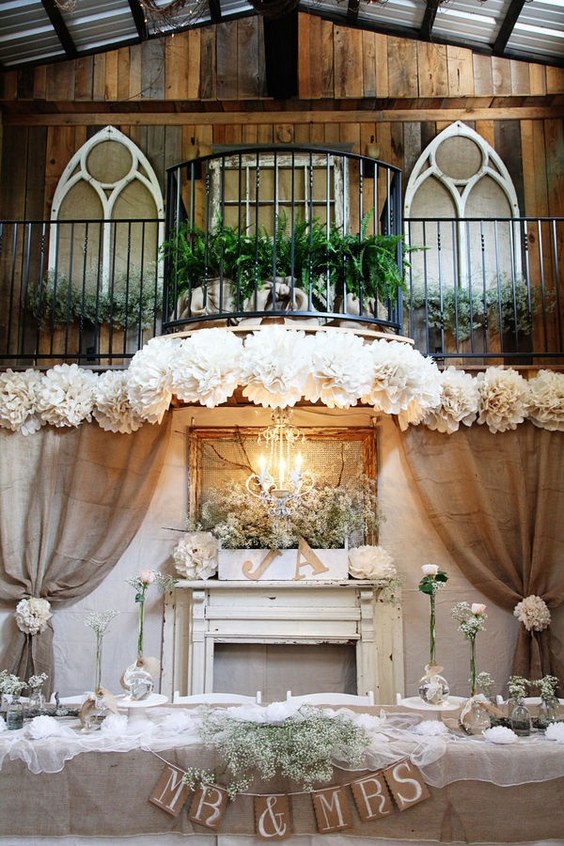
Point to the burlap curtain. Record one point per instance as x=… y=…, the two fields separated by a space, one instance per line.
x=497 y=502
x=71 y=502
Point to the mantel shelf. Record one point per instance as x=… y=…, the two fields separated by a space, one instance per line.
x=294 y=584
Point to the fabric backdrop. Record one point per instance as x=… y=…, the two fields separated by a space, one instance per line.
x=71 y=502
x=497 y=503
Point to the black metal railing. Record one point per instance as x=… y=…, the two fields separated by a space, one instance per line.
x=486 y=289
x=271 y=232
x=86 y=291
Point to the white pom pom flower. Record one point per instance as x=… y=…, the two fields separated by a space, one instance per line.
x=341 y=370
x=65 y=396
x=274 y=366
x=459 y=402
x=206 y=367
x=546 y=400
x=503 y=397
x=18 y=398
x=112 y=409
x=403 y=381
x=149 y=381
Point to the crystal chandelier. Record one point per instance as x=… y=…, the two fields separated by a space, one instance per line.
x=280 y=481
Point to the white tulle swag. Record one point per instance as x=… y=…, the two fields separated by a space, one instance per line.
x=274 y=367
x=112 y=409
x=206 y=367
x=340 y=371
x=503 y=396
x=546 y=400
x=403 y=381
x=65 y=395
x=18 y=396
x=149 y=383
x=459 y=402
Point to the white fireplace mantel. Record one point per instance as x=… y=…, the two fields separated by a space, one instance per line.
x=201 y=614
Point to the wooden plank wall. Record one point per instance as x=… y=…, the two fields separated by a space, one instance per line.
x=207 y=86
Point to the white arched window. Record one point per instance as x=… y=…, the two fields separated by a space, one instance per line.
x=105 y=192
x=461 y=203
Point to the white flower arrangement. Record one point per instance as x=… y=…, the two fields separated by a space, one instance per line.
x=18 y=395
x=500 y=734
x=149 y=378
x=533 y=612
x=302 y=747
x=503 y=398
x=65 y=395
x=340 y=370
x=32 y=615
x=196 y=555
x=459 y=402
x=37 y=681
x=371 y=562
x=206 y=367
x=326 y=516
x=277 y=367
x=10 y=684
x=546 y=400
x=112 y=409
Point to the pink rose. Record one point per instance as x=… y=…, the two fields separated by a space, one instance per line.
x=478 y=609
x=147 y=577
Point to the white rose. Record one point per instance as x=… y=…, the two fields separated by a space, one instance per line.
x=430 y=569
x=478 y=608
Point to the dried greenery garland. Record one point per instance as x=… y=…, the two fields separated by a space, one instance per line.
x=302 y=747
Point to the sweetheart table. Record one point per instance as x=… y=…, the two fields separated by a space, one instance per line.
x=95 y=787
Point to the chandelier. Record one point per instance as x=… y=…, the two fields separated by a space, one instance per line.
x=280 y=481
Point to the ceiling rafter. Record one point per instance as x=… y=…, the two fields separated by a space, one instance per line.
x=352 y=11
x=215 y=11
x=60 y=28
x=139 y=19
x=428 y=19
x=507 y=27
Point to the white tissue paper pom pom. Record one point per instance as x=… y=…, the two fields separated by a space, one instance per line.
x=275 y=366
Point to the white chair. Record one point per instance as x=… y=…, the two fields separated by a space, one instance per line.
x=332 y=698
x=216 y=699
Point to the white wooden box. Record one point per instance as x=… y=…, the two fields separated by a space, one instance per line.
x=283 y=564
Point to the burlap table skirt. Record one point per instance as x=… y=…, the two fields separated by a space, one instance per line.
x=106 y=794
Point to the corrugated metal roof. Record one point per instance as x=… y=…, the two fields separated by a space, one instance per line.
x=36 y=31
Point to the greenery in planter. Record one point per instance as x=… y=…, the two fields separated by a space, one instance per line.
x=248 y=260
x=462 y=311
x=130 y=301
x=325 y=516
x=366 y=265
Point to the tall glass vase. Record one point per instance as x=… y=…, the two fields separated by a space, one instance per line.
x=433 y=687
x=473 y=687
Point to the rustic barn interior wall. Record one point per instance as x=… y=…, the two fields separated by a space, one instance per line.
x=179 y=96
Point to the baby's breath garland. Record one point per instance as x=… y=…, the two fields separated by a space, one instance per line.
x=326 y=517
x=302 y=747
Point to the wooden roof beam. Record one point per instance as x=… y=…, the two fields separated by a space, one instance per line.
x=139 y=19
x=60 y=28
x=507 y=27
x=428 y=20
x=281 y=55
x=215 y=11
x=352 y=11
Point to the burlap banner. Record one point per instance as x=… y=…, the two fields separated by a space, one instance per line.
x=375 y=795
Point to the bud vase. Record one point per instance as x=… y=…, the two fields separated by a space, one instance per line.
x=520 y=720
x=548 y=711
x=14 y=714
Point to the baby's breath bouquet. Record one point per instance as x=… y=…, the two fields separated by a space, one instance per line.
x=302 y=747
x=326 y=517
x=471 y=620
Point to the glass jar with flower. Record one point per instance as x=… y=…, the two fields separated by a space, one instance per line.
x=549 y=707
x=433 y=688
x=36 y=696
x=138 y=678
x=519 y=715
x=11 y=687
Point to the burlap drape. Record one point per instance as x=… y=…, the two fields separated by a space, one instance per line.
x=70 y=503
x=497 y=503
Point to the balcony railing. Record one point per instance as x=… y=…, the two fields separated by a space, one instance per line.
x=91 y=292
x=487 y=290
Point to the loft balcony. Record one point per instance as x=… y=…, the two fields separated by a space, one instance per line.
x=299 y=235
